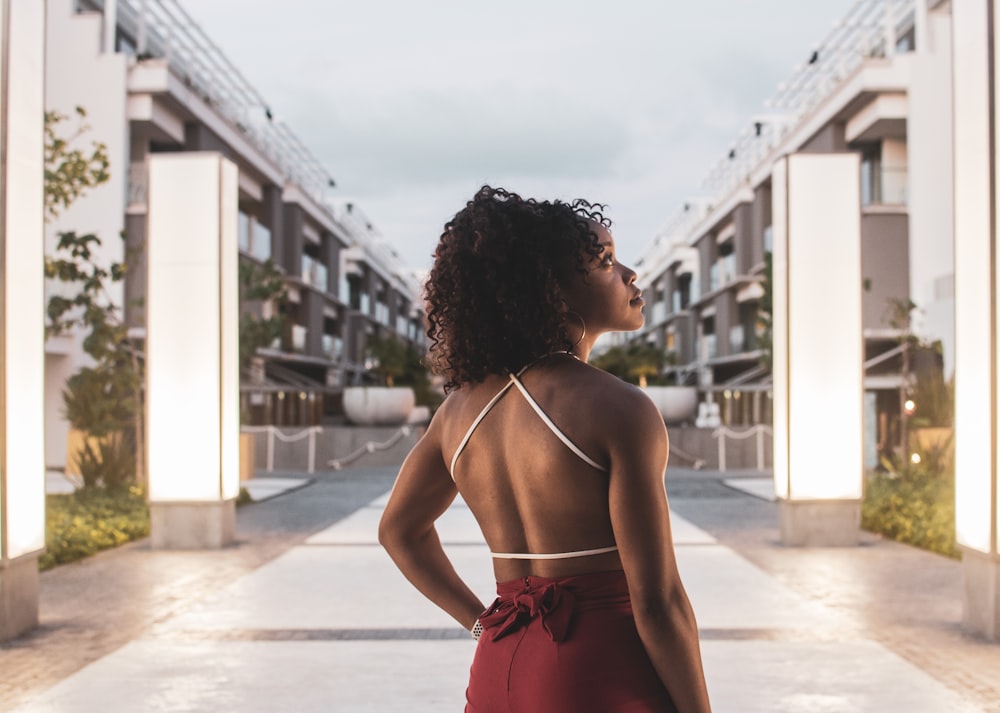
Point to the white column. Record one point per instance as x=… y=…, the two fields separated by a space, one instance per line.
x=976 y=333
x=22 y=306
x=192 y=352
x=817 y=348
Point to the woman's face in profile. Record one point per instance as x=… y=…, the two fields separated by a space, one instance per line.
x=606 y=296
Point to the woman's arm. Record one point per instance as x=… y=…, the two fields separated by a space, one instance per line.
x=423 y=490
x=640 y=516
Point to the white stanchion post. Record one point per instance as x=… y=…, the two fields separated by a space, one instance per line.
x=977 y=386
x=270 y=449
x=22 y=306
x=192 y=350
x=818 y=380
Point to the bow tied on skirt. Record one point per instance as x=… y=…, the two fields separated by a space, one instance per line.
x=550 y=603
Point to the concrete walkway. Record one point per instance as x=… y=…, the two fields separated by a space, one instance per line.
x=308 y=614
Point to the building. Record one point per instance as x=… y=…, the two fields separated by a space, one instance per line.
x=878 y=86
x=153 y=82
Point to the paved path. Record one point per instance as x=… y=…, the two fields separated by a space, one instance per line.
x=307 y=614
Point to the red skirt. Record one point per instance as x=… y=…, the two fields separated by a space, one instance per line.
x=563 y=644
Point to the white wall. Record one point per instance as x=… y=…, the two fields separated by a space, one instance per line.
x=77 y=74
x=931 y=204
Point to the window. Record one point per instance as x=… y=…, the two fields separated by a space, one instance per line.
x=709 y=347
x=260 y=241
x=884 y=181
x=299 y=334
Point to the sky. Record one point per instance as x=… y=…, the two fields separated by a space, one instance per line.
x=412 y=106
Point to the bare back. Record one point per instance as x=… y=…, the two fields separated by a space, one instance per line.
x=527 y=489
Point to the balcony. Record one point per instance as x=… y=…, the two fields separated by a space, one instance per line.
x=382 y=313
x=722 y=272
x=709 y=347
x=315 y=273
x=333 y=347
x=254 y=237
x=884 y=185
x=299 y=334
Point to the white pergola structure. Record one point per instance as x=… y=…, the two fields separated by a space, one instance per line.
x=192 y=350
x=977 y=383
x=818 y=353
x=22 y=306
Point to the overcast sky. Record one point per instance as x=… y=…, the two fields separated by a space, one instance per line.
x=412 y=106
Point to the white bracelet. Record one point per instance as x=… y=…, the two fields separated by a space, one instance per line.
x=477 y=630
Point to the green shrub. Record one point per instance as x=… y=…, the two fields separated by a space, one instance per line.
x=914 y=503
x=92 y=519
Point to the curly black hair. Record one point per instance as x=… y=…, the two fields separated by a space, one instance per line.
x=493 y=298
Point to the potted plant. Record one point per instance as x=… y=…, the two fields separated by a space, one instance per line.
x=386 y=404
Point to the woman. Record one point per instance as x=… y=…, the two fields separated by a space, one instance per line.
x=560 y=463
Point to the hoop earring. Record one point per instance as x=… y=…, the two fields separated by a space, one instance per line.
x=583 y=328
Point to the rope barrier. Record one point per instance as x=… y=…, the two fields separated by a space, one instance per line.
x=273 y=432
x=310 y=433
x=696 y=462
x=370 y=447
x=758 y=431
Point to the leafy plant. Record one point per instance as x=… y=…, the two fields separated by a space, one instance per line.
x=108 y=461
x=397 y=363
x=105 y=397
x=69 y=169
x=262 y=284
x=389 y=358
x=87 y=521
x=635 y=362
x=914 y=502
x=934 y=398
x=765 y=313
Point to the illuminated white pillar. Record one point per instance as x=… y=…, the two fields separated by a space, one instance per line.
x=192 y=350
x=817 y=348
x=976 y=333
x=22 y=306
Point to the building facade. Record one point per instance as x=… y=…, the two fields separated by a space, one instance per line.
x=878 y=86
x=152 y=82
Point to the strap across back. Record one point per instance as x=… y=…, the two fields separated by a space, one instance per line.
x=515 y=381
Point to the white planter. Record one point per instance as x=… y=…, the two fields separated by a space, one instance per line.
x=675 y=403
x=378 y=405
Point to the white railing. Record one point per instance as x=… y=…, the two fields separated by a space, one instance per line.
x=273 y=433
x=868 y=30
x=758 y=431
x=162 y=28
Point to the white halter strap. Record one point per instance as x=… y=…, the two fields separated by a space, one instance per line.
x=515 y=381
x=472 y=428
x=552 y=427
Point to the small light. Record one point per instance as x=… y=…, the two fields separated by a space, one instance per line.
x=302 y=395
x=281 y=395
x=915 y=458
x=909 y=407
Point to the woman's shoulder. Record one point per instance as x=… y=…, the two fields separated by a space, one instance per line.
x=600 y=395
